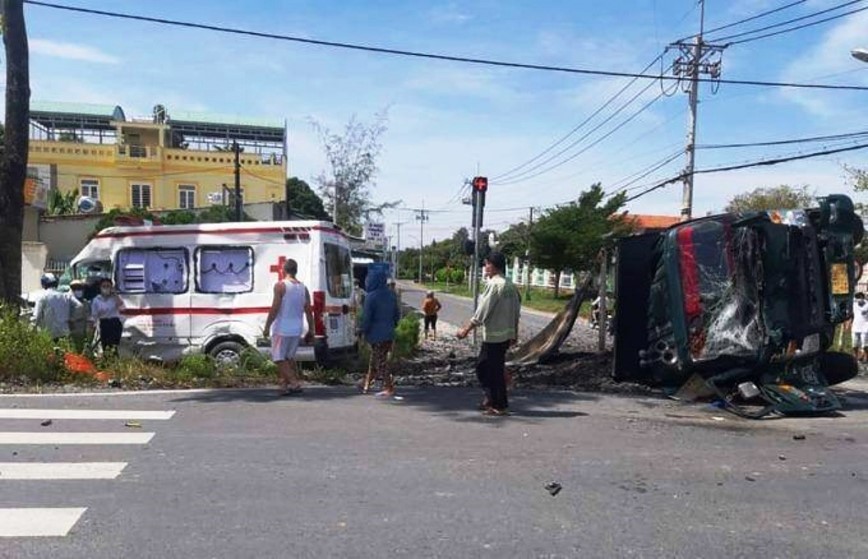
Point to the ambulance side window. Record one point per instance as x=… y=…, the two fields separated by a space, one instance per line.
x=224 y=269
x=152 y=270
x=339 y=271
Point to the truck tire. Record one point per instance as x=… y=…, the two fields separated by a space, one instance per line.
x=227 y=353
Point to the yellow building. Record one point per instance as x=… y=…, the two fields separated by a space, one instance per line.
x=166 y=161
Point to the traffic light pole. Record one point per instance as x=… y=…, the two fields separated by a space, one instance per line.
x=480 y=186
x=477 y=219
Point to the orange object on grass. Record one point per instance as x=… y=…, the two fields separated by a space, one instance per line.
x=76 y=363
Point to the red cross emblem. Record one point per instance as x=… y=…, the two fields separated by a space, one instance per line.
x=278 y=268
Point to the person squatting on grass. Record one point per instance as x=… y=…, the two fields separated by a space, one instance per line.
x=289 y=307
x=379 y=319
x=498 y=314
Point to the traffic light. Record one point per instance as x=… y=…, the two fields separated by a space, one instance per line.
x=480 y=184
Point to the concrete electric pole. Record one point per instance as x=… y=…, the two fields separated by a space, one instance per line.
x=695 y=58
x=422 y=217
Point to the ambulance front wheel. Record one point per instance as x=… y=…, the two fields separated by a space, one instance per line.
x=227 y=354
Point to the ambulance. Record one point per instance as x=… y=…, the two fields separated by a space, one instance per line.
x=207 y=288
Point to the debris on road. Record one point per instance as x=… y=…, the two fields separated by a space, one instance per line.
x=798 y=437
x=553 y=488
x=134 y=424
x=46 y=423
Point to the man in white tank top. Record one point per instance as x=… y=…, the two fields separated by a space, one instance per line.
x=284 y=325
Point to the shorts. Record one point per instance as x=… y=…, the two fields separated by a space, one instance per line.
x=283 y=348
x=860 y=340
x=430 y=321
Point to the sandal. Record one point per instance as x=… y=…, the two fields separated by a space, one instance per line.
x=494 y=412
x=386 y=394
x=293 y=391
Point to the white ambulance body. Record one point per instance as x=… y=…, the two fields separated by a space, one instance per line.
x=207 y=288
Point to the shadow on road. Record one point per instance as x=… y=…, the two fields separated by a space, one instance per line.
x=458 y=403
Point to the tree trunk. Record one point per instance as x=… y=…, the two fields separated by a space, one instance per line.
x=13 y=163
x=557 y=283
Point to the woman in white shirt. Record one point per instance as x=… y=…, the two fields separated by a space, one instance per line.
x=105 y=312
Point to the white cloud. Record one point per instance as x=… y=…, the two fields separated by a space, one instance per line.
x=449 y=14
x=830 y=56
x=71 y=51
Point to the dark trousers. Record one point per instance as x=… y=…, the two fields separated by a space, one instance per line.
x=489 y=370
x=430 y=321
x=110 y=330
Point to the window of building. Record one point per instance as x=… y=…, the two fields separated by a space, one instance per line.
x=225 y=269
x=152 y=270
x=140 y=195
x=339 y=271
x=90 y=188
x=186 y=196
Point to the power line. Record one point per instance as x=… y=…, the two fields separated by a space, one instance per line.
x=748 y=40
x=755 y=17
x=524 y=176
x=576 y=128
x=785 y=142
x=636 y=177
x=432 y=56
x=762 y=163
x=789 y=21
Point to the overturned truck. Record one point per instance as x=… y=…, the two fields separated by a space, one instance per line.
x=741 y=306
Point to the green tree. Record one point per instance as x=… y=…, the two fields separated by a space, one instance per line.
x=301 y=199
x=859 y=178
x=514 y=241
x=781 y=197
x=571 y=236
x=351 y=172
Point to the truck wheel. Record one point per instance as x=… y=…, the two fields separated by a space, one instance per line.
x=227 y=354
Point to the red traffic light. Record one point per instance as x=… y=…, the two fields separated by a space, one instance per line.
x=480 y=184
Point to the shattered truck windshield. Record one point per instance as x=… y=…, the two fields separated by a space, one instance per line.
x=719 y=282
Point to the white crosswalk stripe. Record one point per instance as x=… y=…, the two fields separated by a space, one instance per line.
x=31 y=413
x=61 y=470
x=40 y=437
x=31 y=522
x=57 y=522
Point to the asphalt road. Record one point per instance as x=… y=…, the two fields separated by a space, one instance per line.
x=336 y=474
x=457 y=310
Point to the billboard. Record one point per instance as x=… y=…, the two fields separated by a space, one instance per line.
x=375 y=233
x=37 y=185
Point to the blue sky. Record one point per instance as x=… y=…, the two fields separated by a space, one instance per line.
x=448 y=119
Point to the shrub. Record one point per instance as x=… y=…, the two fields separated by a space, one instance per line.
x=442 y=275
x=406 y=336
x=196 y=366
x=255 y=363
x=456 y=276
x=26 y=352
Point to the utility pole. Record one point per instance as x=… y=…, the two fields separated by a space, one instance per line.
x=422 y=216
x=398 y=224
x=13 y=162
x=239 y=212
x=695 y=59
x=480 y=187
x=527 y=256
